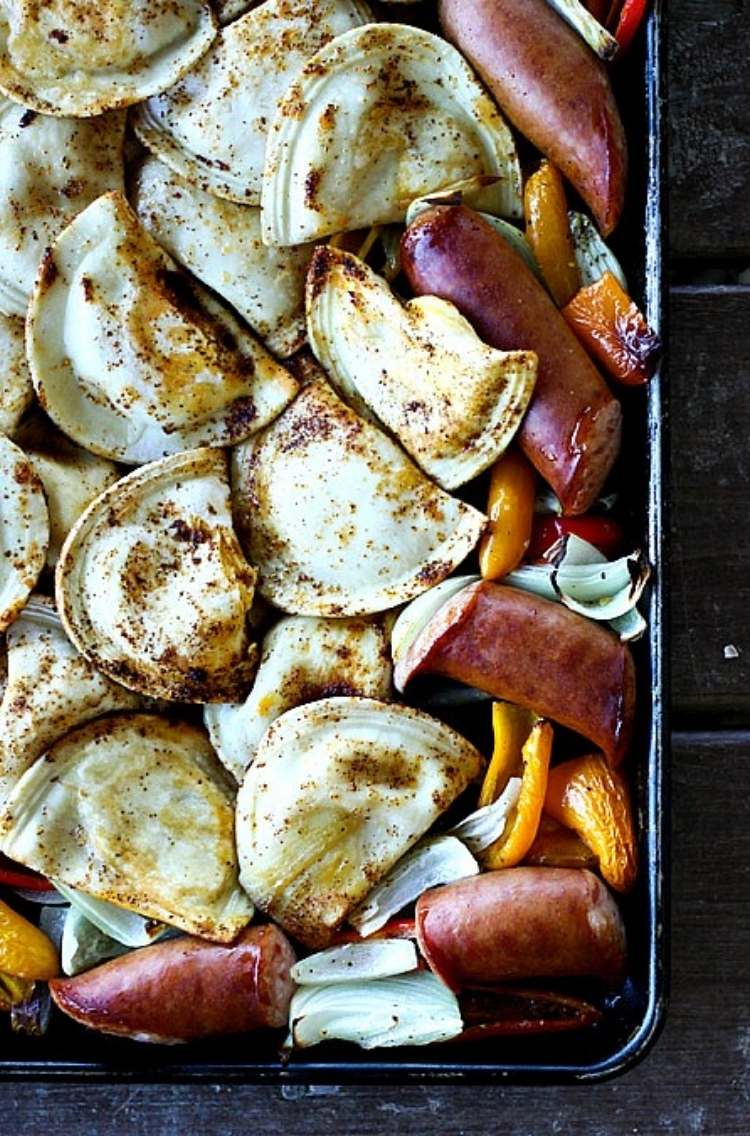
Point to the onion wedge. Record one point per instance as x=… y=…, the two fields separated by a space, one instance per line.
x=487 y=195
x=435 y=860
x=480 y=829
x=411 y=1009
x=356 y=962
x=417 y=614
x=589 y=584
x=126 y=927
x=578 y=16
x=84 y=945
x=593 y=256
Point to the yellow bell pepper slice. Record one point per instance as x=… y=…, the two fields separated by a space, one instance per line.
x=522 y=748
x=548 y=232
x=25 y=951
x=510 y=507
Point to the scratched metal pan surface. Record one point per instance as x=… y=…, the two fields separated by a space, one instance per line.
x=631 y=1020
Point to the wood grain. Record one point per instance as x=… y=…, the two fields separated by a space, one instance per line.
x=709 y=376
x=696 y=1080
x=709 y=139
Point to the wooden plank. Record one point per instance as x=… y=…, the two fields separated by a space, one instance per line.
x=709 y=378
x=709 y=116
x=696 y=1080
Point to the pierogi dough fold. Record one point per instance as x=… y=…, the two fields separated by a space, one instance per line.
x=336 y=517
x=50 y=170
x=220 y=243
x=153 y=588
x=132 y=358
x=212 y=126
x=72 y=57
x=16 y=390
x=50 y=689
x=340 y=789
x=24 y=529
x=303 y=659
x=380 y=116
x=136 y=810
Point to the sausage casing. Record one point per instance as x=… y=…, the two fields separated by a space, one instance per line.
x=571 y=431
x=519 y=923
x=536 y=653
x=552 y=88
x=186 y=988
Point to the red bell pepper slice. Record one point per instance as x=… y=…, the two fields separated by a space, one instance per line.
x=15 y=875
x=604 y=533
x=507 y=1011
x=630 y=19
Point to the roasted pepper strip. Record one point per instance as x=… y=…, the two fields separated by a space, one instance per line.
x=523 y=745
x=507 y=1011
x=630 y=19
x=591 y=798
x=15 y=875
x=510 y=507
x=604 y=533
x=614 y=331
x=558 y=847
x=548 y=232
x=25 y=951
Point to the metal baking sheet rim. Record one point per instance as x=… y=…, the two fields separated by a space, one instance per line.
x=151 y=1067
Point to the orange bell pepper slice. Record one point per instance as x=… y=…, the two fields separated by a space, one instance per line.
x=612 y=329
x=591 y=798
x=25 y=951
x=510 y=507
x=523 y=747
x=558 y=847
x=548 y=232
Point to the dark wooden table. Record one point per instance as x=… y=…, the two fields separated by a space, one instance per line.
x=697 y=1079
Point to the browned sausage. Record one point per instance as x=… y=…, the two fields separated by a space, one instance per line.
x=521 y=923
x=553 y=89
x=571 y=432
x=186 y=988
x=536 y=653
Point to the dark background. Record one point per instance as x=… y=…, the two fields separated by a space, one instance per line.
x=697 y=1079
